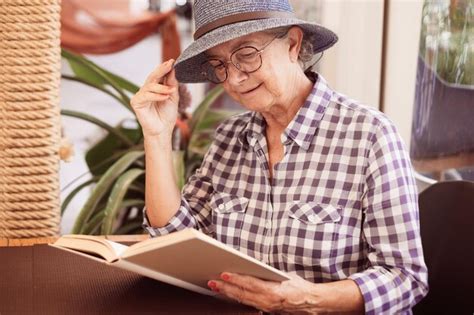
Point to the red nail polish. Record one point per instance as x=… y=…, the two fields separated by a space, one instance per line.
x=225 y=276
x=215 y=289
x=211 y=284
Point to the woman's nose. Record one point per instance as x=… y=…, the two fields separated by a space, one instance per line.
x=235 y=76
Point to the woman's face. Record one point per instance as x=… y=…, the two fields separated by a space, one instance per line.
x=272 y=83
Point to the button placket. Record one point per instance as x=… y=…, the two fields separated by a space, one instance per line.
x=268 y=224
x=258 y=147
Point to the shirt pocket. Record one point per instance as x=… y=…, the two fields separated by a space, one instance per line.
x=228 y=214
x=311 y=233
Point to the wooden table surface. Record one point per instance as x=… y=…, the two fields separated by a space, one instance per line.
x=48 y=240
x=41 y=279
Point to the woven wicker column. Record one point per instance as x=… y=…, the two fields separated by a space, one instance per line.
x=29 y=118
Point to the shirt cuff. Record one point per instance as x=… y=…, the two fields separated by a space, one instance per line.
x=181 y=220
x=381 y=296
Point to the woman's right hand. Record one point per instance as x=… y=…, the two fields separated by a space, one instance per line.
x=156 y=103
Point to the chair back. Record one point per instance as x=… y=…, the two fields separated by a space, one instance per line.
x=447 y=233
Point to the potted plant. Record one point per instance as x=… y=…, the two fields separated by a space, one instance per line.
x=116 y=162
x=443 y=111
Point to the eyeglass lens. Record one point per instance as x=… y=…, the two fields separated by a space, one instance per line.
x=246 y=59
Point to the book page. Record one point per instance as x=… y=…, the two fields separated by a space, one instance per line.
x=119 y=249
x=92 y=245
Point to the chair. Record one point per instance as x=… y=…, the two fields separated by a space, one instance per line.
x=447 y=233
x=423 y=182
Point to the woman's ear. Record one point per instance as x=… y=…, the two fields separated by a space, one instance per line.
x=295 y=36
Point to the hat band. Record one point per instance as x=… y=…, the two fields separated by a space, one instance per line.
x=240 y=17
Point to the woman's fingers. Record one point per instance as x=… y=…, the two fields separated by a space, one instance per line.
x=154 y=97
x=170 y=78
x=152 y=92
x=161 y=81
x=156 y=103
x=239 y=294
x=145 y=98
x=247 y=282
x=160 y=72
x=159 y=88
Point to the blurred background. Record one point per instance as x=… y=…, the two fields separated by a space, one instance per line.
x=411 y=59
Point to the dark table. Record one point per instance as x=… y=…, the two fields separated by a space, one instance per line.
x=41 y=279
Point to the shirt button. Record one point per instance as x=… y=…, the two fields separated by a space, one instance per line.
x=221 y=207
x=268 y=225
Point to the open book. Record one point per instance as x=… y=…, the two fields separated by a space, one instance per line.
x=187 y=258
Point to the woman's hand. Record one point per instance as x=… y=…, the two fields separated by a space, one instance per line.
x=156 y=103
x=291 y=296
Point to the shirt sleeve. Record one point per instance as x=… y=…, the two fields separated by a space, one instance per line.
x=396 y=277
x=194 y=210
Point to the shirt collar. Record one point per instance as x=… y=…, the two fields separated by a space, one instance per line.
x=302 y=128
x=254 y=130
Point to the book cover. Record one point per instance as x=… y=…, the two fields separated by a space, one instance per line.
x=187 y=258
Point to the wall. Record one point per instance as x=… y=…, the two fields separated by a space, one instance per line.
x=353 y=65
x=404 y=24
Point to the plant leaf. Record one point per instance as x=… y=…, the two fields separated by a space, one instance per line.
x=109 y=76
x=96 y=86
x=108 y=149
x=202 y=109
x=132 y=203
x=137 y=188
x=213 y=119
x=94 y=223
x=74 y=192
x=122 y=82
x=129 y=227
x=200 y=142
x=113 y=131
x=116 y=196
x=103 y=186
x=81 y=70
x=96 y=75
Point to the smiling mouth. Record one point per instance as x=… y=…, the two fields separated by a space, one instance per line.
x=249 y=91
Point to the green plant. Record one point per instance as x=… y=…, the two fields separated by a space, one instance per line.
x=447 y=40
x=116 y=163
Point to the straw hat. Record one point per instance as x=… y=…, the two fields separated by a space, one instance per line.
x=218 y=21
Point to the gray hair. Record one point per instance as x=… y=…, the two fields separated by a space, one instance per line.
x=306 y=55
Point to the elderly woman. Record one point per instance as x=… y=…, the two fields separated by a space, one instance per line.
x=308 y=180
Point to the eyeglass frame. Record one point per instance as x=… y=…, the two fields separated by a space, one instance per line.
x=225 y=63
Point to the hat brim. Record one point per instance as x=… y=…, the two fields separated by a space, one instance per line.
x=188 y=65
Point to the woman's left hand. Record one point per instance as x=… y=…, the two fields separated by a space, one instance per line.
x=288 y=296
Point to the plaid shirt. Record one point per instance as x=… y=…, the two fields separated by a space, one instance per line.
x=342 y=203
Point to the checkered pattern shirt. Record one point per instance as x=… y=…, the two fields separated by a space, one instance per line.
x=342 y=203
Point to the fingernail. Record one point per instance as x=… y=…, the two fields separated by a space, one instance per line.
x=211 y=284
x=215 y=289
x=225 y=276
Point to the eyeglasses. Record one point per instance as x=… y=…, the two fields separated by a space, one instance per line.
x=246 y=59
